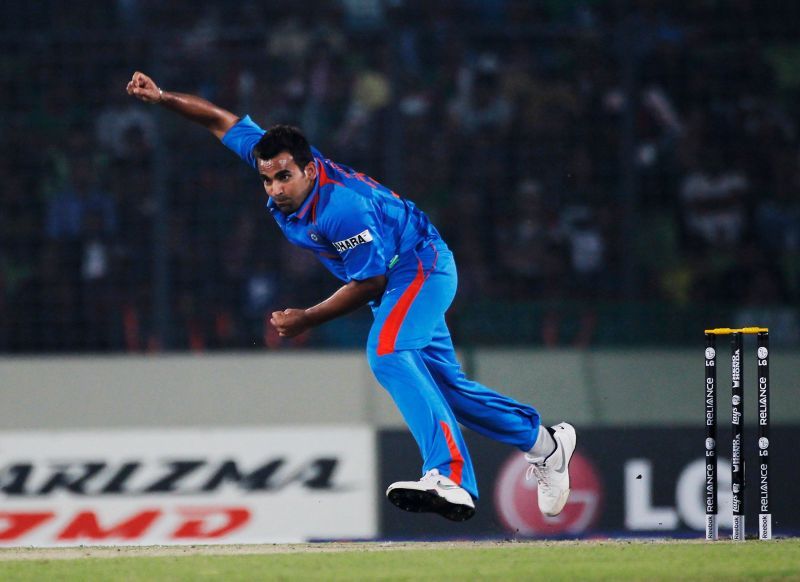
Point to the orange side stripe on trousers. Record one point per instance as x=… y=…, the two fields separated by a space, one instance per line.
x=457 y=464
x=391 y=327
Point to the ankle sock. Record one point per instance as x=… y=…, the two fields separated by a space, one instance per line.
x=545 y=443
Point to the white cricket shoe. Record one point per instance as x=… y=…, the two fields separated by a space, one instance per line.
x=433 y=493
x=552 y=471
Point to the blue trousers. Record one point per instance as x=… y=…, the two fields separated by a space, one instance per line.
x=412 y=356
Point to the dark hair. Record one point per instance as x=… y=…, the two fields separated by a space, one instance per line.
x=284 y=138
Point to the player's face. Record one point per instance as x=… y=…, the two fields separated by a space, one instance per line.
x=285 y=182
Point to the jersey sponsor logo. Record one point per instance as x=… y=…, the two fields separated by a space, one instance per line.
x=352 y=242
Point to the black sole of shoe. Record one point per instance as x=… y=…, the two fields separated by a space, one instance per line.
x=427 y=502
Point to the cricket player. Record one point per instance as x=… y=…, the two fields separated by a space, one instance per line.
x=388 y=255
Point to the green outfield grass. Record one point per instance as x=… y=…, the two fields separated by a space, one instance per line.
x=621 y=560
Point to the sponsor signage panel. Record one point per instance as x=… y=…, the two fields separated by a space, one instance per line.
x=514 y=498
x=186 y=486
x=625 y=482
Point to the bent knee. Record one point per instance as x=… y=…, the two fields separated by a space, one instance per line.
x=388 y=365
x=376 y=359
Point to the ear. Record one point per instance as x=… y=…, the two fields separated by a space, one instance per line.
x=311 y=170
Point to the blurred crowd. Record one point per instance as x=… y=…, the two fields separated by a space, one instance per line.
x=570 y=151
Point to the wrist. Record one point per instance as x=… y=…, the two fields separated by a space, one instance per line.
x=310 y=317
x=160 y=95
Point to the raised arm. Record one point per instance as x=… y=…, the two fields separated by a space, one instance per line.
x=215 y=119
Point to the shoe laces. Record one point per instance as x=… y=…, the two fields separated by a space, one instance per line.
x=432 y=475
x=540 y=472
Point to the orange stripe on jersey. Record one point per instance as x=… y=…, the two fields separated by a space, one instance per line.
x=314 y=209
x=324 y=178
x=309 y=204
x=457 y=464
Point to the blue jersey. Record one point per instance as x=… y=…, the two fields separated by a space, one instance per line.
x=354 y=225
x=360 y=229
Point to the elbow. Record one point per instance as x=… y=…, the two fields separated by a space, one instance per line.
x=374 y=286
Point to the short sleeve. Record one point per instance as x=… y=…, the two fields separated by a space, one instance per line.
x=356 y=234
x=242 y=138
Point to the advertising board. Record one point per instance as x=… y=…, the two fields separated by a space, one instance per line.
x=187 y=486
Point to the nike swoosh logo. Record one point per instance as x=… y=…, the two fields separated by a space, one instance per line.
x=446 y=485
x=563 y=461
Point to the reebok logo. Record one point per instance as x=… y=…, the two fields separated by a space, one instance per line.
x=352 y=242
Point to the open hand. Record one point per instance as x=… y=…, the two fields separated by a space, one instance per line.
x=290 y=322
x=144 y=88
